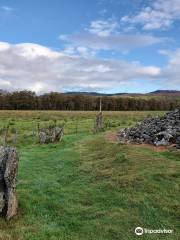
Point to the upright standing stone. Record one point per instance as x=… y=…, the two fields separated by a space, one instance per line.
x=8 y=173
x=57 y=134
x=52 y=135
x=99 y=124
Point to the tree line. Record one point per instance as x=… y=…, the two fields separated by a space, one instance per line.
x=27 y=100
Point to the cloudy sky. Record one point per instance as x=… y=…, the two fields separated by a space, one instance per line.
x=82 y=45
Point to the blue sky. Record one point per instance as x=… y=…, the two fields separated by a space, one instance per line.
x=97 y=45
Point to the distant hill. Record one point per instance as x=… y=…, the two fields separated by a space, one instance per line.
x=168 y=93
x=165 y=93
x=3 y=91
x=154 y=93
x=94 y=93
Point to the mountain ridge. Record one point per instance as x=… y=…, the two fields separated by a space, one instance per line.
x=154 y=93
x=98 y=94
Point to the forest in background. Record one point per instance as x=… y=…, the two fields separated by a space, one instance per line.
x=27 y=100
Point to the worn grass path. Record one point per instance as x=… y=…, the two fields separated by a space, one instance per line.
x=87 y=188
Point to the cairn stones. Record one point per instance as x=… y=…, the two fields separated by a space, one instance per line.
x=158 y=131
x=178 y=142
x=8 y=172
x=51 y=135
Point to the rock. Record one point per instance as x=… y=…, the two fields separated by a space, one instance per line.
x=163 y=138
x=159 y=131
x=52 y=135
x=57 y=134
x=99 y=123
x=8 y=172
x=42 y=137
x=161 y=142
x=178 y=142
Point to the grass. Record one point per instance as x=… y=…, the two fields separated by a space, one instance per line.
x=87 y=188
x=76 y=122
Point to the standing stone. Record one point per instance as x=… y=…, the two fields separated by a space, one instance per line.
x=42 y=137
x=8 y=173
x=52 y=135
x=99 y=123
x=57 y=134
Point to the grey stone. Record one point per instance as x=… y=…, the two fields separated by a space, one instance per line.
x=57 y=134
x=52 y=135
x=8 y=172
x=42 y=137
x=99 y=123
x=158 y=131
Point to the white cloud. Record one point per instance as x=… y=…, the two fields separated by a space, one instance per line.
x=160 y=15
x=4 y=46
x=104 y=35
x=39 y=87
x=171 y=73
x=38 y=68
x=119 y=42
x=31 y=51
x=4 y=84
x=79 y=51
x=102 y=28
x=85 y=51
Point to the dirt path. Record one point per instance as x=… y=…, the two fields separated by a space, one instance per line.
x=112 y=137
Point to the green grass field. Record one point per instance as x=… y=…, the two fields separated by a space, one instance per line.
x=87 y=187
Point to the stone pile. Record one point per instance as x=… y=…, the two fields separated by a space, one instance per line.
x=8 y=173
x=51 y=135
x=159 y=131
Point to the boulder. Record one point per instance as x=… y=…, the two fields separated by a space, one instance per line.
x=51 y=135
x=57 y=134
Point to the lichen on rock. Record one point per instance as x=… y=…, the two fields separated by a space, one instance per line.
x=51 y=135
x=8 y=173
